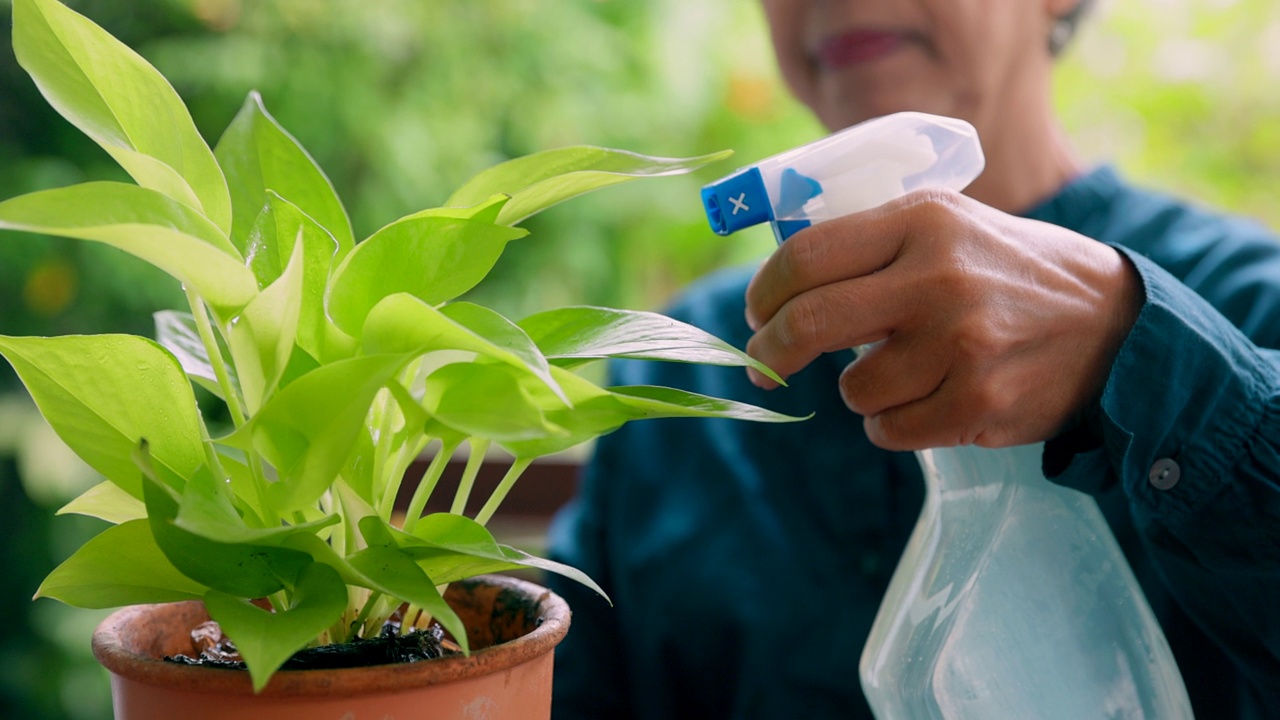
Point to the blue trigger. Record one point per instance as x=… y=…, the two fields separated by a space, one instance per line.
x=795 y=191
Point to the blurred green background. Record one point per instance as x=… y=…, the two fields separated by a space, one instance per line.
x=402 y=100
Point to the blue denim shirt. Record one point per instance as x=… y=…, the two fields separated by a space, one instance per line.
x=746 y=561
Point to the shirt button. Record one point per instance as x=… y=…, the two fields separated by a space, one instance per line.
x=1164 y=474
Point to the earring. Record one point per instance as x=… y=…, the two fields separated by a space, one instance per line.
x=1059 y=34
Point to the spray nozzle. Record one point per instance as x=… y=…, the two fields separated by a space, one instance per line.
x=852 y=170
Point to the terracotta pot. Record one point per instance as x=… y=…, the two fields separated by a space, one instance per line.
x=512 y=625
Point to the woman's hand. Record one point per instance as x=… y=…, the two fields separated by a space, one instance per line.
x=996 y=330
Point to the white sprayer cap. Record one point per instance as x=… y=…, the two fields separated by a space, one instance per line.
x=854 y=169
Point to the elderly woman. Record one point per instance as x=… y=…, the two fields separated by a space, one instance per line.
x=1051 y=302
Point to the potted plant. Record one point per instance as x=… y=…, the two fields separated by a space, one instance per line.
x=339 y=363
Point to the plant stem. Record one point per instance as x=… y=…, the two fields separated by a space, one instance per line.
x=211 y=457
x=269 y=514
x=500 y=493
x=408 y=451
x=426 y=485
x=383 y=609
x=382 y=448
x=201 y=316
x=374 y=597
x=211 y=349
x=474 y=460
x=409 y=621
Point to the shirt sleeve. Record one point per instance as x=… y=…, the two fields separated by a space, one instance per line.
x=1190 y=429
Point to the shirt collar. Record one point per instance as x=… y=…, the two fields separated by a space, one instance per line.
x=1082 y=197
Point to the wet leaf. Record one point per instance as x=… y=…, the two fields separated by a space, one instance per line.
x=143 y=223
x=177 y=333
x=106 y=501
x=239 y=568
x=258 y=155
x=122 y=565
x=590 y=333
x=271 y=245
x=431 y=257
x=538 y=181
x=102 y=394
x=266 y=639
x=263 y=335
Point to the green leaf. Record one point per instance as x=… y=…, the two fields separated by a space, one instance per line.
x=266 y=639
x=411 y=410
x=595 y=412
x=485 y=400
x=358 y=470
x=508 y=336
x=485 y=210
x=243 y=484
x=595 y=333
x=308 y=428
x=650 y=401
x=401 y=323
x=117 y=98
x=206 y=509
x=258 y=155
x=102 y=394
x=271 y=245
x=177 y=333
x=106 y=501
x=538 y=181
x=523 y=559
x=262 y=336
x=432 y=258
x=241 y=569
x=396 y=574
x=387 y=571
x=120 y=566
x=145 y=224
x=452 y=547
x=354 y=509
x=598 y=411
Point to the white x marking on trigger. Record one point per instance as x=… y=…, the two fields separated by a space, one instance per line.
x=739 y=203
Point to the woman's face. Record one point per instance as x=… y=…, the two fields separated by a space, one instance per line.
x=850 y=60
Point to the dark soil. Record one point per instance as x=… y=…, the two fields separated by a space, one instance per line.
x=212 y=649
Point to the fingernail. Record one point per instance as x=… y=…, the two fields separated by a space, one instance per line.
x=751 y=322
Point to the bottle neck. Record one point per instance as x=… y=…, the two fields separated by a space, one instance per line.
x=970 y=467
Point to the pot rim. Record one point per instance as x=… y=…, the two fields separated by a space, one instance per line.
x=111 y=652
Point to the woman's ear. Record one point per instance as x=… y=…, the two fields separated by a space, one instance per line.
x=1063 y=17
x=1059 y=8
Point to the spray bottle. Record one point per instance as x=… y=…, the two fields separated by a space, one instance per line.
x=1012 y=599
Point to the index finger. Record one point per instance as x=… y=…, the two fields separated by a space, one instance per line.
x=843 y=248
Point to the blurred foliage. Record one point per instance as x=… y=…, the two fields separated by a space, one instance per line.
x=402 y=100
x=1180 y=94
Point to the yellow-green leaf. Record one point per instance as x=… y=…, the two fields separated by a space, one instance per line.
x=103 y=394
x=120 y=566
x=117 y=98
x=258 y=155
x=538 y=181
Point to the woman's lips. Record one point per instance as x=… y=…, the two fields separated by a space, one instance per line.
x=857 y=47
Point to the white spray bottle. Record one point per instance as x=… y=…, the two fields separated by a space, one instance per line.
x=1012 y=600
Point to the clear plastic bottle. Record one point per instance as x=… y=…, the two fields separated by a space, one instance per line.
x=1012 y=599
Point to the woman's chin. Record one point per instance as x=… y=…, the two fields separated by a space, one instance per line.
x=844 y=110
